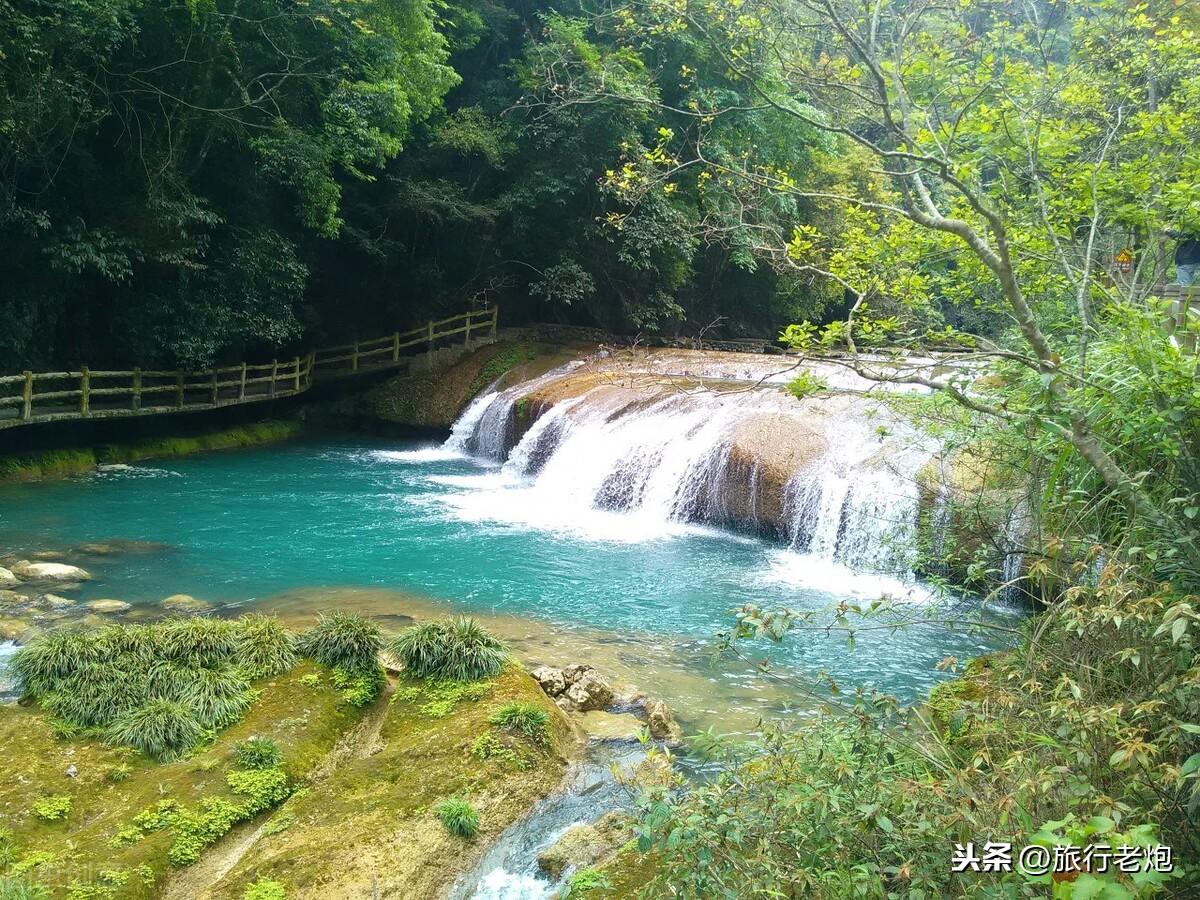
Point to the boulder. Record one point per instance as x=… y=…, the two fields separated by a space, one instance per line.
x=661 y=723
x=184 y=603
x=49 y=571
x=7 y=578
x=574 y=672
x=551 y=679
x=588 y=693
x=48 y=555
x=107 y=605
x=54 y=601
x=607 y=726
x=12 y=598
x=585 y=845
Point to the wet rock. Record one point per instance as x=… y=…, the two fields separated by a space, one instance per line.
x=661 y=723
x=7 y=578
x=12 y=598
x=17 y=630
x=576 y=671
x=588 y=693
x=47 y=555
x=184 y=603
x=607 y=726
x=108 y=605
x=99 y=549
x=551 y=679
x=49 y=571
x=585 y=845
x=54 y=601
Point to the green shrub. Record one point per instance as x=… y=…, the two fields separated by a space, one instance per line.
x=257 y=753
x=20 y=889
x=806 y=384
x=41 y=664
x=52 y=809
x=358 y=688
x=528 y=719
x=118 y=773
x=262 y=788
x=218 y=696
x=586 y=880
x=343 y=640
x=198 y=641
x=458 y=816
x=489 y=746
x=458 y=649
x=265 y=646
x=264 y=889
x=162 y=729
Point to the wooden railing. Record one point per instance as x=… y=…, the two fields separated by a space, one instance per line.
x=52 y=396
x=1183 y=316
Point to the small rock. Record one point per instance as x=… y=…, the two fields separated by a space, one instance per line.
x=585 y=845
x=72 y=771
x=98 y=549
x=12 y=598
x=47 y=555
x=49 y=571
x=184 y=603
x=551 y=680
x=589 y=692
x=607 y=726
x=574 y=672
x=54 y=601
x=107 y=605
x=661 y=723
x=7 y=578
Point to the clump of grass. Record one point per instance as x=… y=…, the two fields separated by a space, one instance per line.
x=162 y=729
x=41 y=664
x=218 y=696
x=458 y=817
x=257 y=753
x=197 y=641
x=264 y=646
x=265 y=889
x=343 y=641
x=525 y=718
x=118 y=773
x=16 y=888
x=456 y=649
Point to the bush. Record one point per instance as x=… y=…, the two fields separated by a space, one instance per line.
x=528 y=719
x=358 y=688
x=345 y=641
x=52 y=809
x=456 y=649
x=459 y=817
x=162 y=729
x=217 y=696
x=265 y=646
x=264 y=889
x=198 y=641
x=42 y=663
x=257 y=753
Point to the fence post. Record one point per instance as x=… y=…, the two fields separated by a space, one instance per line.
x=296 y=383
x=467 y=339
x=354 y=358
x=396 y=347
x=27 y=408
x=429 y=346
x=215 y=390
x=495 y=318
x=242 y=384
x=179 y=389
x=85 y=388
x=137 y=388
x=274 y=375
x=312 y=364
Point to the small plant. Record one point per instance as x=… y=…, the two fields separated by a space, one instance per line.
x=257 y=753
x=279 y=823
x=441 y=697
x=458 y=817
x=312 y=679
x=118 y=773
x=21 y=889
x=806 y=384
x=586 y=880
x=52 y=809
x=458 y=649
x=528 y=719
x=264 y=889
x=489 y=746
x=343 y=640
x=358 y=688
x=162 y=729
x=265 y=646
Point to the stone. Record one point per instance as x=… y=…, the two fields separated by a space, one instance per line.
x=54 y=601
x=184 y=603
x=49 y=571
x=574 y=672
x=586 y=845
x=98 y=549
x=47 y=555
x=7 y=578
x=608 y=726
x=107 y=605
x=589 y=692
x=12 y=598
x=551 y=679
x=661 y=723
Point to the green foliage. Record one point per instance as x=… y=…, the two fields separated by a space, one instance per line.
x=586 y=880
x=806 y=384
x=52 y=809
x=163 y=729
x=455 y=649
x=438 y=697
x=489 y=746
x=264 y=646
x=118 y=773
x=343 y=640
x=525 y=718
x=359 y=688
x=265 y=889
x=257 y=753
x=457 y=816
x=16 y=888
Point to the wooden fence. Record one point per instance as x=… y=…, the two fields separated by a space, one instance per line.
x=1183 y=316
x=33 y=397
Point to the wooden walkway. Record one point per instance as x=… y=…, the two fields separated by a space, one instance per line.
x=34 y=397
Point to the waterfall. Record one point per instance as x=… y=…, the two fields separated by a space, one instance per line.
x=658 y=457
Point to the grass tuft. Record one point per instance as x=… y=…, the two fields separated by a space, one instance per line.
x=525 y=718
x=458 y=817
x=343 y=641
x=264 y=646
x=257 y=753
x=456 y=649
x=162 y=729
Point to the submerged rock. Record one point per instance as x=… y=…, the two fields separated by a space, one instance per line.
x=7 y=578
x=54 y=601
x=108 y=605
x=608 y=726
x=585 y=845
x=49 y=571
x=661 y=723
x=12 y=598
x=47 y=555
x=184 y=603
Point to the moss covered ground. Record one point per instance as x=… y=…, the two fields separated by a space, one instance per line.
x=59 y=463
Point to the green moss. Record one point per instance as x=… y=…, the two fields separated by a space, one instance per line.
x=75 y=461
x=950 y=706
